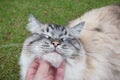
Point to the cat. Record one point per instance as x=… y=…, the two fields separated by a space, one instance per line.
x=90 y=45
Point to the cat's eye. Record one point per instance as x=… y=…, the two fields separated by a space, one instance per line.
x=47 y=36
x=63 y=39
x=35 y=34
x=66 y=39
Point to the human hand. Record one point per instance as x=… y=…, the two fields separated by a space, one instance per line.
x=41 y=70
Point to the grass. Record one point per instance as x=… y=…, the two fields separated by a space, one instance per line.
x=14 y=17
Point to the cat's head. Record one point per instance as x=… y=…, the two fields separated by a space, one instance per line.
x=49 y=40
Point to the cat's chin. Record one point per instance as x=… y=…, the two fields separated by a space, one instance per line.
x=53 y=58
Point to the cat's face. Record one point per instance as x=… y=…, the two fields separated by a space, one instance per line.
x=53 y=42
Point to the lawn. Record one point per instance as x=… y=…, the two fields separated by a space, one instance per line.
x=14 y=18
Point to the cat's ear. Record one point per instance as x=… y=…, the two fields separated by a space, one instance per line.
x=77 y=29
x=33 y=24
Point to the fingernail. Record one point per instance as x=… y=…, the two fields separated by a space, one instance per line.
x=62 y=64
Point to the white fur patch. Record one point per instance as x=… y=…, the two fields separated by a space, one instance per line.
x=53 y=58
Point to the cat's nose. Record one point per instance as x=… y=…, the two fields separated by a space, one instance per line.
x=56 y=43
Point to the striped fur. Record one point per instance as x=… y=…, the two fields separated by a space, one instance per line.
x=42 y=43
x=91 y=52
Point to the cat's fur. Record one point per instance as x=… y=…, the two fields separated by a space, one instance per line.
x=99 y=47
x=50 y=42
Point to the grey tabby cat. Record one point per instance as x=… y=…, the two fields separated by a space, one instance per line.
x=90 y=45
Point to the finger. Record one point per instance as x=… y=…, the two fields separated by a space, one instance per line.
x=44 y=66
x=51 y=74
x=52 y=71
x=60 y=72
x=43 y=72
x=62 y=65
x=32 y=70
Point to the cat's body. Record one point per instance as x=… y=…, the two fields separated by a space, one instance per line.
x=97 y=57
x=101 y=40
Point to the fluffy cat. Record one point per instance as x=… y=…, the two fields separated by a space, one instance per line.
x=90 y=45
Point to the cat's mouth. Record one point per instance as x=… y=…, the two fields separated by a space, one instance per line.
x=55 y=51
x=53 y=57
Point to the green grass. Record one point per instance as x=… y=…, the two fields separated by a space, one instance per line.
x=14 y=17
